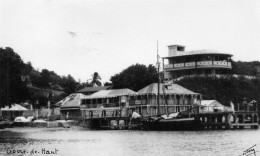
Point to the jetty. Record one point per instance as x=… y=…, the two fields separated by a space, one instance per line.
x=240 y=118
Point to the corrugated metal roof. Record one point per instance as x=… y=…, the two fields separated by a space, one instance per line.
x=165 y=89
x=93 y=89
x=112 y=93
x=73 y=100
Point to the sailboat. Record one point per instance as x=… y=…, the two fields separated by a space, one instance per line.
x=173 y=121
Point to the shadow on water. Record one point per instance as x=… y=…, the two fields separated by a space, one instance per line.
x=12 y=137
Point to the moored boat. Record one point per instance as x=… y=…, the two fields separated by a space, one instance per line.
x=172 y=124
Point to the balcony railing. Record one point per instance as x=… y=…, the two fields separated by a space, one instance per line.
x=198 y=64
x=178 y=65
x=204 y=63
x=220 y=63
x=190 y=64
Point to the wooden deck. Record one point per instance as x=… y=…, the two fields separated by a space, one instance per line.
x=229 y=120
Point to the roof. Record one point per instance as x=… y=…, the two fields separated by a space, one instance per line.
x=198 y=52
x=93 y=89
x=210 y=102
x=177 y=45
x=112 y=93
x=165 y=89
x=73 y=100
x=14 y=107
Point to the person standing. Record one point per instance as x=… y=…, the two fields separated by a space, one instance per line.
x=67 y=116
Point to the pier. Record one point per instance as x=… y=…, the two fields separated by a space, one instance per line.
x=239 y=119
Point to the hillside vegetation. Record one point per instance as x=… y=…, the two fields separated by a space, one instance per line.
x=22 y=82
x=224 y=89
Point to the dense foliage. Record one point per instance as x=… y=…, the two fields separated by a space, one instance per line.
x=21 y=82
x=11 y=70
x=245 y=68
x=135 y=77
x=224 y=89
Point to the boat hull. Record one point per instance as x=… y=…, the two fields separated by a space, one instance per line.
x=173 y=124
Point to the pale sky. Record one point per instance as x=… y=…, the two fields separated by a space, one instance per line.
x=80 y=37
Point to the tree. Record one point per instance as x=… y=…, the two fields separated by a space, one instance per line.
x=245 y=68
x=135 y=77
x=224 y=89
x=12 y=68
x=96 y=79
x=107 y=84
x=69 y=84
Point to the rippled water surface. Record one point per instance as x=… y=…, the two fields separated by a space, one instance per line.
x=79 y=141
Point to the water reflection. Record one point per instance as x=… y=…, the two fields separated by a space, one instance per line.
x=80 y=141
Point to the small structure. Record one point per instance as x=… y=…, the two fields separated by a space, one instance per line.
x=213 y=106
x=91 y=90
x=214 y=115
x=70 y=106
x=11 y=112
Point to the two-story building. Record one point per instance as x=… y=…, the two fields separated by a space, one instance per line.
x=181 y=63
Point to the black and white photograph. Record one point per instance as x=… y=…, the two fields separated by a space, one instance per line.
x=129 y=77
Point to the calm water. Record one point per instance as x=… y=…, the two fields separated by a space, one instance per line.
x=80 y=141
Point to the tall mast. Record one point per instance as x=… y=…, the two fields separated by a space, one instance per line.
x=7 y=82
x=158 y=96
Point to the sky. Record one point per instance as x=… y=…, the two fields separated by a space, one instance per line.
x=79 y=37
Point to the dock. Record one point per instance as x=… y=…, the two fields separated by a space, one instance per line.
x=229 y=120
x=223 y=120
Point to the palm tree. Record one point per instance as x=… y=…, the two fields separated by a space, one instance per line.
x=96 y=80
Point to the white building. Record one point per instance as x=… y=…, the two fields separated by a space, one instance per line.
x=213 y=106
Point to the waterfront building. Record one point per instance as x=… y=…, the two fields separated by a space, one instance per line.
x=107 y=103
x=173 y=98
x=213 y=106
x=180 y=63
x=12 y=112
x=122 y=102
x=70 y=106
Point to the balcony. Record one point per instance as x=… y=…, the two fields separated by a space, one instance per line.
x=199 y=64
x=204 y=63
